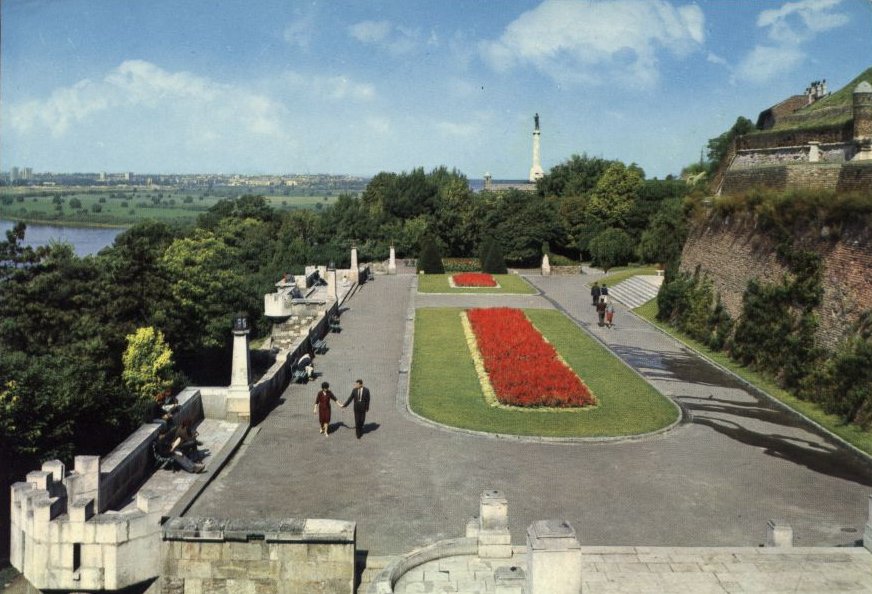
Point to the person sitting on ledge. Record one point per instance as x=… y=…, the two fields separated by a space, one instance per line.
x=189 y=442
x=168 y=447
x=306 y=364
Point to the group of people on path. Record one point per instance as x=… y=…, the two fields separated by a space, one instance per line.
x=605 y=311
x=360 y=397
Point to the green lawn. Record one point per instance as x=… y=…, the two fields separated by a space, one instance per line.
x=850 y=433
x=445 y=388
x=509 y=283
x=617 y=275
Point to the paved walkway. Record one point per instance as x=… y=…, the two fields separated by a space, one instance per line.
x=713 y=481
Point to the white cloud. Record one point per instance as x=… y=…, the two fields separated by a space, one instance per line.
x=716 y=59
x=396 y=39
x=764 y=63
x=800 y=21
x=458 y=129
x=334 y=88
x=299 y=32
x=140 y=84
x=788 y=28
x=595 y=41
x=370 y=31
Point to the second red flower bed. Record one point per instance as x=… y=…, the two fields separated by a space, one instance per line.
x=474 y=279
x=522 y=366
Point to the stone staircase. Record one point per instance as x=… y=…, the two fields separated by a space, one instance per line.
x=636 y=290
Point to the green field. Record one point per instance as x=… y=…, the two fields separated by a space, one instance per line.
x=126 y=206
x=509 y=283
x=444 y=386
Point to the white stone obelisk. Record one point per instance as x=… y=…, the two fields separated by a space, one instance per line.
x=536 y=170
x=392 y=261
x=355 y=267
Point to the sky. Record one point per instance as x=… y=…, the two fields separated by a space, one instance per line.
x=358 y=87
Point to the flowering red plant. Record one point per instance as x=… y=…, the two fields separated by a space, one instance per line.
x=523 y=367
x=474 y=279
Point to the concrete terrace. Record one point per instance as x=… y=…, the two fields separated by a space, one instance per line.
x=714 y=481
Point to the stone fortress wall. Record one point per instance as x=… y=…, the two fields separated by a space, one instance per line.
x=836 y=158
x=731 y=252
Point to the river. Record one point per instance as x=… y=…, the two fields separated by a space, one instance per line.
x=85 y=240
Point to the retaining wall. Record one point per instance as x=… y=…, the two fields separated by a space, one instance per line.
x=208 y=555
x=732 y=251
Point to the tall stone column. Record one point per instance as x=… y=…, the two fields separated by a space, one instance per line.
x=331 y=282
x=862 y=108
x=392 y=262
x=355 y=267
x=536 y=170
x=239 y=392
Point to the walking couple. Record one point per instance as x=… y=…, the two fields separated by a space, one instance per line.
x=360 y=397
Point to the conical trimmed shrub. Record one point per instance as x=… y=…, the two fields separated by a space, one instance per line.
x=430 y=260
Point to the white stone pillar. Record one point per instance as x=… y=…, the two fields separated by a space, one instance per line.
x=331 y=283
x=546 y=265
x=536 y=171
x=392 y=261
x=553 y=558
x=494 y=539
x=778 y=534
x=814 y=152
x=355 y=268
x=238 y=399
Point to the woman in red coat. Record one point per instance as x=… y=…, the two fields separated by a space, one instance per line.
x=322 y=407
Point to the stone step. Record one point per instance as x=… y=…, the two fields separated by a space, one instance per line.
x=636 y=290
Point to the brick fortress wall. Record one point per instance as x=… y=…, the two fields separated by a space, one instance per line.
x=835 y=177
x=732 y=251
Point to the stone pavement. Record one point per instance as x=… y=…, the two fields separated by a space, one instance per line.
x=715 y=480
x=639 y=570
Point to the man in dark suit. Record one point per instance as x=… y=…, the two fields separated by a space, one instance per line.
x=360 y=396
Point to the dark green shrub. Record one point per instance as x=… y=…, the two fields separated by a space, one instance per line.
x=429 y=259
x=493 y=261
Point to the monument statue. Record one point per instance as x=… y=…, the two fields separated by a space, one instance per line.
x=536 y=121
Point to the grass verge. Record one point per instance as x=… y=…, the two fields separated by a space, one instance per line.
x=851 y=433
x=619 y=275
x=445 y=388
x=509 y=283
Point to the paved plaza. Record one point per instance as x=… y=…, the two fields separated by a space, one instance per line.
x=735 y=462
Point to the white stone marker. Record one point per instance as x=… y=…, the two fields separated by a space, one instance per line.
x=778 y=534
x=355 y=268
x=553 y=558
x=546 y=265
x=392 y=262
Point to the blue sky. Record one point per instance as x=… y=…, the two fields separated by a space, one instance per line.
x=280 y=86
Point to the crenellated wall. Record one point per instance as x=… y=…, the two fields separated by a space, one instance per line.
x=732 y=251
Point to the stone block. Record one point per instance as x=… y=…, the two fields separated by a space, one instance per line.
x=778 y=534
x=90 y=578
x=148 y=501
x=189 y=568
x=40 y=479
x=111 y=529
x=88 y=467
x=81 y=510
x=553 y=558
x=494 y=510
x=495 y=551
x=58 y=473
x=245 y=551
x=193 y=586
x=92 y=555
x=472 y=528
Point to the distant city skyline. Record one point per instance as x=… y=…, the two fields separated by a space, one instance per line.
x=339 y=87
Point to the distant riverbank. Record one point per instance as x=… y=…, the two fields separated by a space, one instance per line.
x=86 y=240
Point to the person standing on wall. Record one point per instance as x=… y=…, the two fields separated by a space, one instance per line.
x=360 y=396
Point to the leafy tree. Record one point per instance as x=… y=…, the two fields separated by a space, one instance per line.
x=663 y=240
x=615 y=195
x=148 y=364
x=430 y=260
x=717 y=147
x=75 y=203
x=575 y=177
x=613 y=247
x=523 y=222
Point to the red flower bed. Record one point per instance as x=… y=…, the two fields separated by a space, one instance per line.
x=474 y=279
x=523 y=368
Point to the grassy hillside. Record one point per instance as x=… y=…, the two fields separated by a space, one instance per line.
x=831 y=111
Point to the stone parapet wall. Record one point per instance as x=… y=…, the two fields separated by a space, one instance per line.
x=773 y=139
x=805 y=176
x=732 y=251
x=827 y=153
x=209 y=555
